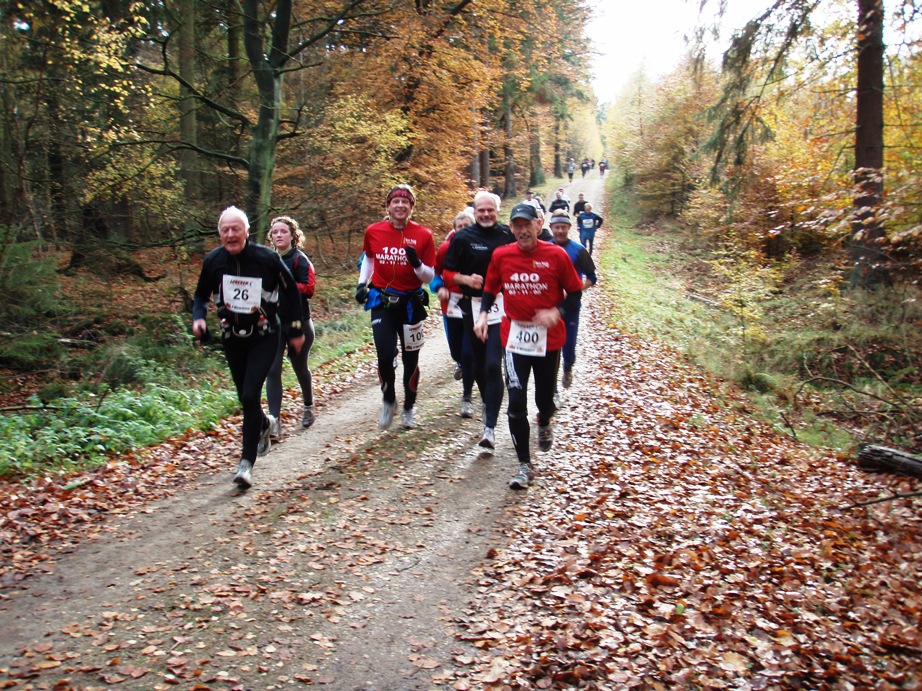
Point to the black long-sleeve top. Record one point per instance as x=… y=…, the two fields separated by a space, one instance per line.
x=220 y=268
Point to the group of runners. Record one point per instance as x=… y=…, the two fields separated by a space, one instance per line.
x=510 y=304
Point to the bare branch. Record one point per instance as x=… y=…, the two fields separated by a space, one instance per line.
x=879 y=500
x=331 y=24
x=210 y=102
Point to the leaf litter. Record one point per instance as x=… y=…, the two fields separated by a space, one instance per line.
x=670 y=541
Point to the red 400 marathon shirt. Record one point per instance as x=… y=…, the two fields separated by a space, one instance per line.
x=532 y=281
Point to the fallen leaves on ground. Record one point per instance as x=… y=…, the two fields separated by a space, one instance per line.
x=672 y=541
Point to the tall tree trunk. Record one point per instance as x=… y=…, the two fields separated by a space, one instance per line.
x=868 y=262
x=509 y=186
x=267 y=72
x=535 y=167
x=188 y=118
x=8 y=157
x=485 y=178
x=474 y=167
x=235 y=57
x=188 y=160
x=558 y=156
x=262 y=158
x=57 y=181
x=484 y=154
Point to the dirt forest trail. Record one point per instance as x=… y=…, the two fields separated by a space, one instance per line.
x=368 y=490
x=670 y=540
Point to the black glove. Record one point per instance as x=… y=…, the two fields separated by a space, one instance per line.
x=361 y=293
x=412 y=257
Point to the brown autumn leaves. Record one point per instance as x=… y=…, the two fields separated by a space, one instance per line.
x=671 y=541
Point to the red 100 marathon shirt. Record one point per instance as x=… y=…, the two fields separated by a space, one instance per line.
x=385 y=244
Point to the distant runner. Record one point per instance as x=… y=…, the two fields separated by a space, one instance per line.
x=585 y=269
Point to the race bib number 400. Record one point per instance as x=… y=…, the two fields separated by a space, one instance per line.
x=413 y=336
x=495 y=315
x=526 y=338
x=242 y=294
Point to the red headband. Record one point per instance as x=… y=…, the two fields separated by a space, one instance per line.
x=400 y=192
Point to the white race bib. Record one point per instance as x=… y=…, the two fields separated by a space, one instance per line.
x=453 y=311
x=527 y=338
x=242 y=294
x=413 y=336
x=495 y=315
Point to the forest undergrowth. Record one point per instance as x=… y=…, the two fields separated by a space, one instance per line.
x=825 y=363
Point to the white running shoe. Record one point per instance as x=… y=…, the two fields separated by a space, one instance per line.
x=408 y=418
x=567 y=379
x=265 y=441
x=545 y=437
x=523 y=478
x=467 y=409
x=275 y=428
x=244 y=477
x=387 y=414
x=487 y=439
x=458 y=372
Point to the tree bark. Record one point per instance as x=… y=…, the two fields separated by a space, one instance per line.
x=868 y=261
x=888 y=460
x=558 y=156
x=267 y=71
x=535 y=167
x=485 y=145
x=509 y=186
x=188 y=159
x=474 y=167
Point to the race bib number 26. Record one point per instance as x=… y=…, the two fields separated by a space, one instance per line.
x=242 y=294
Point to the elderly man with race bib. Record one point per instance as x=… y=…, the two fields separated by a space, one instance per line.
x=540 y=286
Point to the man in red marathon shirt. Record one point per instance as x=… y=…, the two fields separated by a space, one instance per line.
x=399 y=259
x=540 y=286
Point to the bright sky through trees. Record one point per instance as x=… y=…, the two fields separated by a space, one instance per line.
x=628 y=37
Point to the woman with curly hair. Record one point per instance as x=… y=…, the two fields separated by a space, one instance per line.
x=286 y=237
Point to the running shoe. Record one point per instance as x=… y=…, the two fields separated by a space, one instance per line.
x=244 y=478
x=408 y=418
x=567 y=379
x=545 y=437
x=523 y=478
x=307 y=418
x=265 y=441
x=275 y=428
x=458 y=372
x=487 y=439
x=387 y=414
x=467 y=409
